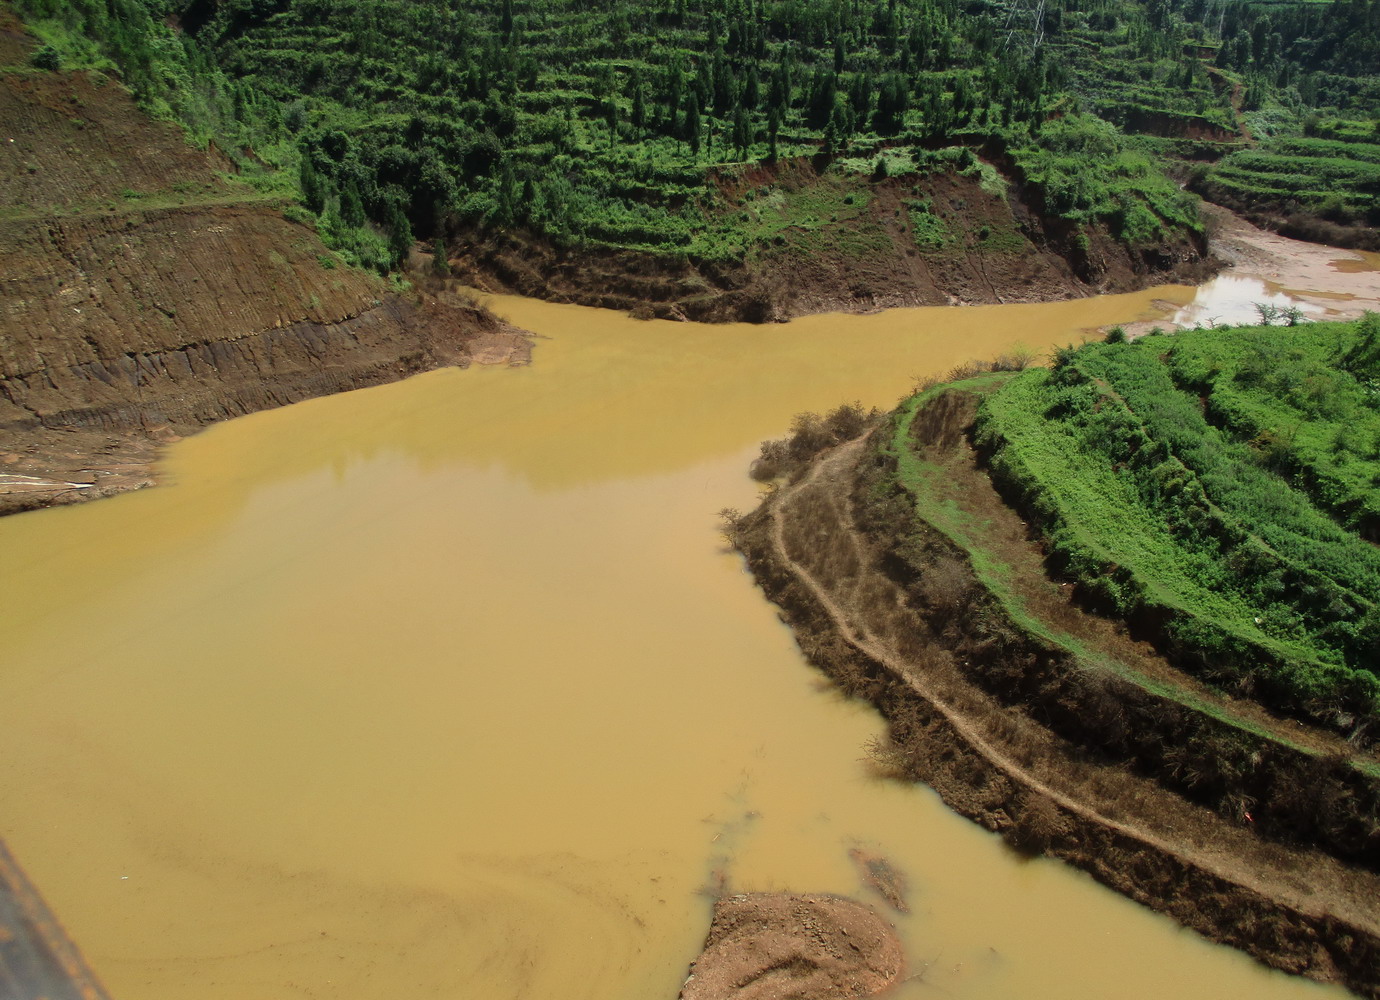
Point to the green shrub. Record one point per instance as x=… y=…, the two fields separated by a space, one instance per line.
x=46 y=57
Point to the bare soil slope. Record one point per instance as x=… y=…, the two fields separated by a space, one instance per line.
x=146 y=292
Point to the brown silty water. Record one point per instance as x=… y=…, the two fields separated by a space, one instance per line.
x=450 y=689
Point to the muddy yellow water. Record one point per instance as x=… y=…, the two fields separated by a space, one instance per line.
x=449 y=689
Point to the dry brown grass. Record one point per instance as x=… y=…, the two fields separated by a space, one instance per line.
x=811 y=433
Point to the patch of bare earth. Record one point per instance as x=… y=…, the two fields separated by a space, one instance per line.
x=15 y=44
x=781 y=946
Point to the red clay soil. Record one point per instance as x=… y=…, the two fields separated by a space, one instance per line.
x=778 y=946
x=146 y=296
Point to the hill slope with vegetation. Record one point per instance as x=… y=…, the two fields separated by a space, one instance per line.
x=697 y=150
x=707 y=147
x=1211 y=488
x=1132 y=594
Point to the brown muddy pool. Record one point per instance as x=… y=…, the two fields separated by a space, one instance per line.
x=449 y=689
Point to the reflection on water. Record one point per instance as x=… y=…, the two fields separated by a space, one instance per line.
x=1363 y=262
x=1232 y=300
x=1302 y=276
x=448 y=689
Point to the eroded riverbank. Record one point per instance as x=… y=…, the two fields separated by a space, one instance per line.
x=987 y=712
x=66 y=448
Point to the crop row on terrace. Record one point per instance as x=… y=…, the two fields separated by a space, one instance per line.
x=1334 y=179
x=1181 y=516
x=1306 y=404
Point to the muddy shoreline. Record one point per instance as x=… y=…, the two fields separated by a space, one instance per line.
x=148 y=294
x=1294 y=908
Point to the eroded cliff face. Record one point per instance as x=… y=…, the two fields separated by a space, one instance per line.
x=146 y=293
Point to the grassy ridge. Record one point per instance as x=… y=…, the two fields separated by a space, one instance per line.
x=1172 y=515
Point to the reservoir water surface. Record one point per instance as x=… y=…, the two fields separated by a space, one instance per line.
x=449 y=689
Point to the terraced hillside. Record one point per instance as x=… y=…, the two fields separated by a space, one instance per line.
x=1123 y=599
x=1311 y=188
x=1304 y=79
x=522 y=135
x=1171 y=481
x=678 y=161
x=148 y=291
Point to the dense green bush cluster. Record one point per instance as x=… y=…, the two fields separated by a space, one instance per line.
x=1307 y=404
x=1087 y=173
x=1179 y=514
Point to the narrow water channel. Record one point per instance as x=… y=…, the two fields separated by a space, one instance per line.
x=448 y=689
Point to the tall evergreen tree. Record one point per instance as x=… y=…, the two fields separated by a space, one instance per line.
x=399 y=236
x=691 y=128
x=893 y=100
x=752 y=89
x=742 y=134
x=639 y=105
x=313 y=186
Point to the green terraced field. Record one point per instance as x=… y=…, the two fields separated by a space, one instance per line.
x=1214 y=485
